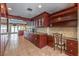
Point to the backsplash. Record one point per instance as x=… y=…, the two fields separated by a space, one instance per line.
x=66 y=31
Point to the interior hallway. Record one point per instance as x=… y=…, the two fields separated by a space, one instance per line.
x=23 y=47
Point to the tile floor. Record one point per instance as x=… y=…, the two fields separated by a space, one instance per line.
x=25 y=48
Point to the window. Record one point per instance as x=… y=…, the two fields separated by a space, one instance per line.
x=3 y=28
x=16 y=28
x=12 y=28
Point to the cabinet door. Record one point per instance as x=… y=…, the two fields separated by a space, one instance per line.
x=39 y=22
x=34 y=23
x=36 y=40
x=42 y=20
x=50 y=41
x=46 y=20
x=72 y=47
x=42 y=41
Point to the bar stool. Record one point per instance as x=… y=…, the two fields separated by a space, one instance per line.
x=59 y=42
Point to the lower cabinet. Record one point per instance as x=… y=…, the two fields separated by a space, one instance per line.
x=36 y=40
x=31 y=37
x=42 y=40
x=72 y=47
x=39 y=40
x=50 y=41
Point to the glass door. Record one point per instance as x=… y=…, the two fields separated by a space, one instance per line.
x=14 y=39
x=14 y=29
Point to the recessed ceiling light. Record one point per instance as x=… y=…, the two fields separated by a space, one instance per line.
x=39 y=6
x=9 y=8
x=2 y=6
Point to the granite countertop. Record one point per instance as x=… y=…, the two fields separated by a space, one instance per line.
x=39 y=33
x=64 y=37
x=69 y=38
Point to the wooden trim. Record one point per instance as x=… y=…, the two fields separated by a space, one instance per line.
x=17 y=17
x=40 y=15
x=76 y=4
x=66 y=11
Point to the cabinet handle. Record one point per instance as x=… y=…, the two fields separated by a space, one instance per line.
x=71 y=50
x=50 y=24
x=70 y=43
x=59 y=19
x=35 y=38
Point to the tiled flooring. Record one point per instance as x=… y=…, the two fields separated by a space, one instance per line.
x=25 y=48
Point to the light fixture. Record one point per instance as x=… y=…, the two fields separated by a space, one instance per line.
x=2 y=6
x=39 y=6
x=59 y=18
x=9 y=8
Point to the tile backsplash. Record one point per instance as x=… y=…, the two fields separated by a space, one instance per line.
x=66 y=31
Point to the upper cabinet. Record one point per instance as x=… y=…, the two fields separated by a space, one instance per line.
x=41 y=20
x=62 y=18
x=66 y=17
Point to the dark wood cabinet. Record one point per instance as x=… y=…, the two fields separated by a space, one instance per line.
x=39 y=40
x=42 y=40
x=72 y=47
x=41 y=20
x=64 y=17
x=71 y=23
x=68 y=15
x=50 y=41
x=31 y=37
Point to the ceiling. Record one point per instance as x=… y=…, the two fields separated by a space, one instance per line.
x=20 y=9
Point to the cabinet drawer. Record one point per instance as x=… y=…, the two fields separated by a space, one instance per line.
x=72 y=52
x=72 y=47
x=50 y=41
x=50 y=44
x=72 y=43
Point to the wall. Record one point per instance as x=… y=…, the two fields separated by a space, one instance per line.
x=66 y=31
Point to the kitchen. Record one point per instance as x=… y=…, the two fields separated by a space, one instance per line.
x=44 y=26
